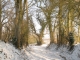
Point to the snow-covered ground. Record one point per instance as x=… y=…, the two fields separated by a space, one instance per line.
x=32 y=52
x=9 y=52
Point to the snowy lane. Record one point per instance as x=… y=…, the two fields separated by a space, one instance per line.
x=41 y=53
x=50 y=53
x=9 y=52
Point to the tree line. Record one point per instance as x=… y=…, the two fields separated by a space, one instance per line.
x=59 y=17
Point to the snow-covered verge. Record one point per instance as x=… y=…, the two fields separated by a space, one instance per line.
x=65 y=54
x=32 y=52
x=9 y=52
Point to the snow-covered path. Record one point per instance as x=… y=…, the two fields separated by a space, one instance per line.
x=9 y=52
x=41 y=53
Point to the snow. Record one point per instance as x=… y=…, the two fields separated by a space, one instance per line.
x=34 y=52
x=8 y=52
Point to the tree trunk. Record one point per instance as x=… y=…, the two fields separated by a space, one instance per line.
x=50 y=30
x=71 y=20
x=78 y=34
x=60 y=23
x=0 y=30
x=27 y=23
x=40 y=38
x=0 y=21
x=17 y=27
x=70 y=16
